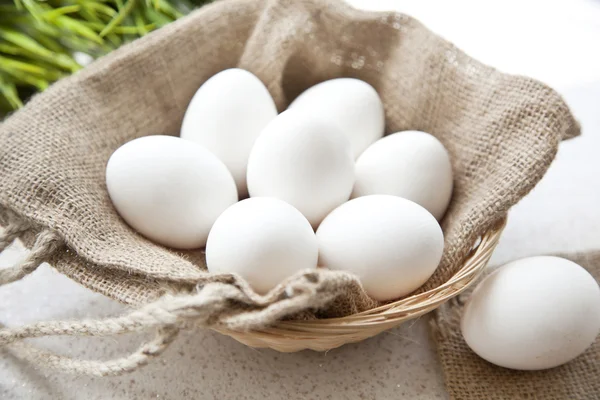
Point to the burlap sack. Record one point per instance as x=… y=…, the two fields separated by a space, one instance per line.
x=469 y=377
x=502 y=133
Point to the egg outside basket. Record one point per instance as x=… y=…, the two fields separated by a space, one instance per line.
x=501 y=131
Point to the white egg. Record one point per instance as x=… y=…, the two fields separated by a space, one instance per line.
x=392 y=244
x=534 y=313
x=410 y=164
x=303 y=160
x=353 y=104
x=264 y=240
x=168 y=189
x=226 y=115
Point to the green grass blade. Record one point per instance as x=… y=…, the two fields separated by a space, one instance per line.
x=114 y=39
x=9 y=97
x=36 y=28
x=118 y=18
x=78 y=28
x=66 y=61
x=140 y=23
x=39 y=37
x=98 y=7
x=50 y=15
x=39 y=83
x=9 y=92
x=156 y=17
x=91 y=16
x=124 y=30
x=25 y=42
x=11 y=49
x=12 y=64
x=169 y=10
x=35 y=9
x=46 y=40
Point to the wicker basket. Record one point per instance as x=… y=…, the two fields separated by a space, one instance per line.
x=502 y=132
x=326 y=334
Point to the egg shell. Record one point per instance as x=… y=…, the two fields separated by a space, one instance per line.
x=168 y=189
x=534 y=313
x=264 y=240
x=226 y=115
x=303 y=160
x=410 y=164
x=351 y=103
x=392 y=244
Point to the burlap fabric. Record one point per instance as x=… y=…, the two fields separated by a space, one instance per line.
x=502 y=133
x=469 y=377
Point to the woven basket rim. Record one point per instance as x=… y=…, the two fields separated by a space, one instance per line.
x=329 y=333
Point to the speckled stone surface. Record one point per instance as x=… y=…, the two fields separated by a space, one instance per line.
x=207 y=365
x=561 y=214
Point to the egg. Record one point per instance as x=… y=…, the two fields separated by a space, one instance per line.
x=304 y=160
x=168 y=189
x=410 y=164
x=392 y=244
x=534 y=313
x=264 y=240
x=226 y=115
x=351 y=103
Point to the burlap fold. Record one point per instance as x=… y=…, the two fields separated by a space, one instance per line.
x=469 y=377
x=502 y=132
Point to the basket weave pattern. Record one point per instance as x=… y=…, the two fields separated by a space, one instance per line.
x=326 y=334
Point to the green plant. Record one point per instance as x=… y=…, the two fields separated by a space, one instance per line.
x=40 y=41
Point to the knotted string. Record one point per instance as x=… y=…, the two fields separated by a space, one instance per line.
x=168 y=315
x=46 y=244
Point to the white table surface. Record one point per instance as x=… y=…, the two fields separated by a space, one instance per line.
x=555 y=41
